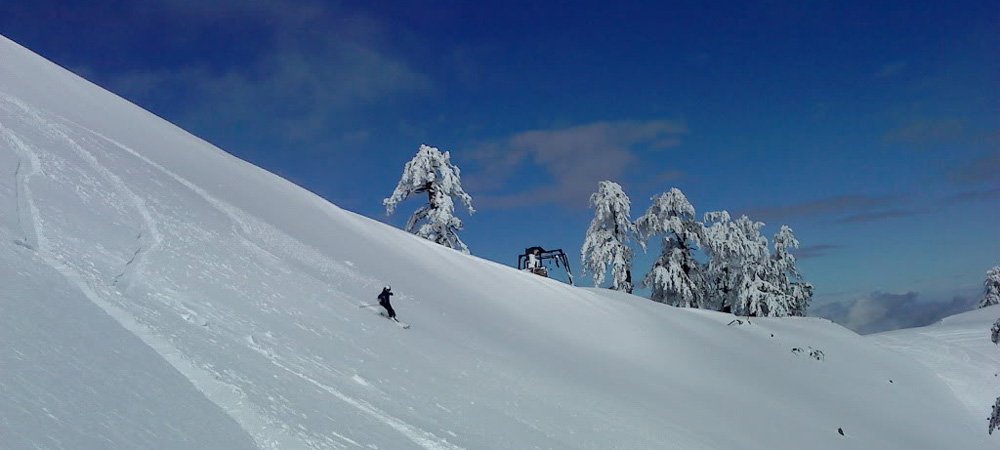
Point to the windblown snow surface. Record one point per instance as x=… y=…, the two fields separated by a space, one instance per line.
x=159 y=293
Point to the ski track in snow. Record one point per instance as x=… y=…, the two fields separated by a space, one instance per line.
x=268 y=435
x=250 y=230
x=266 y=431
x=420 y=437
x=148 y=239
x=27 y=216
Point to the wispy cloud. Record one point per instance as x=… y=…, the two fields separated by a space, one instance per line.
x=575 y=159
x=668 y=176
x=875 y=216
x=814 y=251
x=985 y=169
x=842 y=206
x=880 y=311
x=975 y=196
x=309 y=64
x=920 y=133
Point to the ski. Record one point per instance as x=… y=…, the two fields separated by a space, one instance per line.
x=401 y=324
x=378 y=309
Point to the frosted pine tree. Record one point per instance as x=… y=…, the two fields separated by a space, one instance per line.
x=725 y=248
x=759 y=293
x=786 y=274
x=432 y=172
x=607 y=241
x=991 y=288
x=740 y=272
x=676 y=277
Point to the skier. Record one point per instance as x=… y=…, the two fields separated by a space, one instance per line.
x=383 y=300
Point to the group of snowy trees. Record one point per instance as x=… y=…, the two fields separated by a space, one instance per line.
x=991 y=296
x=718 y=263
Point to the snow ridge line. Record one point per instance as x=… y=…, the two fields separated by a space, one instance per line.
x=27 y=215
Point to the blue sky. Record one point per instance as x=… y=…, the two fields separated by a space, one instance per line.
x=871 y=128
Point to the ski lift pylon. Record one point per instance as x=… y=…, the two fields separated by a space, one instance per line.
x=542 y=255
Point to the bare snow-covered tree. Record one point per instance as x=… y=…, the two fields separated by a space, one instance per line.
x=607 y=241
x=786 y=274
x=991 y=288
x=432 y=172
x=676 y=277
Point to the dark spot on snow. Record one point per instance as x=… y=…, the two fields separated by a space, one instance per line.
x=772 y=334
x=890 y=381
x=24 y=244
x=841 y=431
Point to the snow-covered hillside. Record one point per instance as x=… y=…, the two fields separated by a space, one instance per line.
x=160 y=293
x=959 y=351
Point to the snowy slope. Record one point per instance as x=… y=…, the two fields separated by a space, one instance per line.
x=166 y=250
x=959 y=351
x=71 y=377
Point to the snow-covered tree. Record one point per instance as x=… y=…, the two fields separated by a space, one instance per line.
x=995 y=417
x=759 y=292
x=741 y=274
x=786 y=273
x=432 y=172
x=607 y=241
x=723 y=245
x=676 y=277
x=991 y=288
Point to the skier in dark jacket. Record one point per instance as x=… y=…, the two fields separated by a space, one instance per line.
x=383 y=300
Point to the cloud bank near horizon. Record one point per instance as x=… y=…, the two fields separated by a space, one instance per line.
x=881 y=311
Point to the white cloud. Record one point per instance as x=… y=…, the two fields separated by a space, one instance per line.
x=880 y=311
x=574 y=159
x=313 y=64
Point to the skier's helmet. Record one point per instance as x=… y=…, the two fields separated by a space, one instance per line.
x=387 y=287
